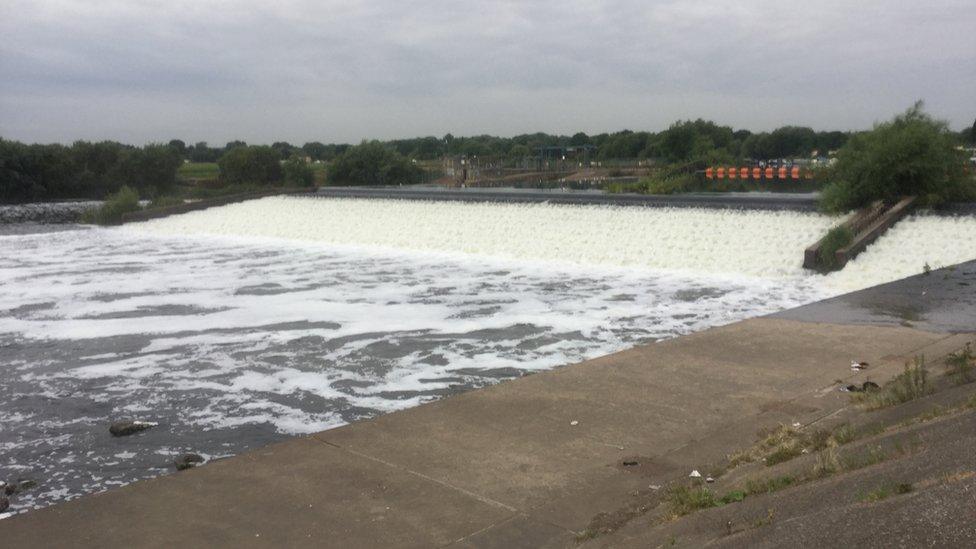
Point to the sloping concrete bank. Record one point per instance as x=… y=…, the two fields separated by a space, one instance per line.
x=751 y=201
x=530 y=462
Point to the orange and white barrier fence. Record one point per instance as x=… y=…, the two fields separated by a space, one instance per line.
x=758 y=174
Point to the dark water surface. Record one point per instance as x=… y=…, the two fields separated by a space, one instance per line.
x=232 y=344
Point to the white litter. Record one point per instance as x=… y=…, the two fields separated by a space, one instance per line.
x=574 y=423
x=695 y=474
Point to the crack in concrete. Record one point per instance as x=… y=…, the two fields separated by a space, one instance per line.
x=483 y=499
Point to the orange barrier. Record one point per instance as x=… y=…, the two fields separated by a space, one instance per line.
x=756 y=173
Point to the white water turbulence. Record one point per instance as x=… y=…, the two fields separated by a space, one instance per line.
x=905 y=250
x=753 y=243
x=238 y=326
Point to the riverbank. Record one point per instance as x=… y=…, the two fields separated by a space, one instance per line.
x=530 y=462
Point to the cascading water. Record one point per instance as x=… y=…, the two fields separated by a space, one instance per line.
x=236 y=326
x=690 y=240
x=765 y=244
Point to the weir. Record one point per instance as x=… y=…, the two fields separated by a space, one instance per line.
x=733 y=242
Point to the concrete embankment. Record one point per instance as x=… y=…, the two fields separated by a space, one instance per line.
x=537 y=461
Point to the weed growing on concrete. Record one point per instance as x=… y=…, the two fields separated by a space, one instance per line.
x=732 y=497
x=768 y=485
x=836 y=239
x=961 y=365
x=783 y=453
x=885 y=491
x=873 y=456
x=764 y=521
x=683 y=500
x=906 y=386
x=843 y=434
x=827 y=461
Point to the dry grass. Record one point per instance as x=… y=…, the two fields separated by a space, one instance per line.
x=909 y=385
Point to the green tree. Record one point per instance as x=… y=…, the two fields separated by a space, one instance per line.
x=151 y=169
x=179 y=146
x=913 y=154
x=578 y=139
x=284 y=149
x=316 y=150
x=298 y=173
x=372 y=163
x=259 y=165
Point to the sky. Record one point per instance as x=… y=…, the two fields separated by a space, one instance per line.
x=342 y=71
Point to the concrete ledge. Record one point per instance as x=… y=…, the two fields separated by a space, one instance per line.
x=750 y=201
x=866 y=225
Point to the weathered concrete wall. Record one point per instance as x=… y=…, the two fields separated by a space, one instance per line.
x=866 y=225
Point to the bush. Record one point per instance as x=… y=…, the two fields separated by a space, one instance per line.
x=961 y=365
x=258 y=165
x=836 y=239
x=298 y=173
x=164 y=202
x=110 y=213
x=371 y=163
x=913 y=154
x=665 y=184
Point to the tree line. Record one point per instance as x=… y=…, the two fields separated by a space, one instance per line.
x=92 y=170
x=84 y=170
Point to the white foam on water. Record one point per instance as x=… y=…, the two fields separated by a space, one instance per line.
x=304 y=314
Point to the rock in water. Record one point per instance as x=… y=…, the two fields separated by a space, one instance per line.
x=11 y=488
x=4 y=503
x=126 y=428
x=187 y=460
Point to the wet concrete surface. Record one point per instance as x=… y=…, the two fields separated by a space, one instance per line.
x=943 y=301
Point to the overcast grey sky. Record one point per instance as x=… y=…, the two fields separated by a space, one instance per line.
x=341 y=71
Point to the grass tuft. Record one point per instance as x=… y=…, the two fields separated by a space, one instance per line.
x=961 y=365
x=885 y=491
x=909 y=385
x=768 y=485
x=683 y=500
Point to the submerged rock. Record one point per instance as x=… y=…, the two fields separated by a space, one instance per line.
x=187 y=460
x=126 y=428
x=4 y=503
x=22 y=485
